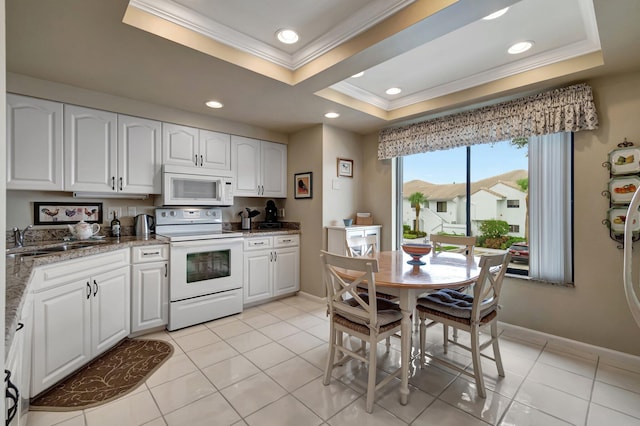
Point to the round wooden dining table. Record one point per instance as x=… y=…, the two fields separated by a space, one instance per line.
x=396 y=277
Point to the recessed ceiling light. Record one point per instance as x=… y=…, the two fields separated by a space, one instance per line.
x=287 y=36
x=393 y=91
x=520 y=47
x=214 y=104
x=332 y=115
x=495 y=15
x=360 y=74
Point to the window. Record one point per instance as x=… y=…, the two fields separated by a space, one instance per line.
x=539 y=215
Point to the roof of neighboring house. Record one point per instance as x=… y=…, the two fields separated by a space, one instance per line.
x=435 y=192
x=489 y=191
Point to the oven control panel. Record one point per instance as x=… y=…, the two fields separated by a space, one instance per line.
x=186 y=215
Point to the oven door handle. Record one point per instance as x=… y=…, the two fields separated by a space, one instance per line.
x=200 y=244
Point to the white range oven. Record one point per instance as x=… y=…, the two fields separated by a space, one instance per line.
x=205 y=279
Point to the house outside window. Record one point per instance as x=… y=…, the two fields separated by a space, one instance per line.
x=498 y=187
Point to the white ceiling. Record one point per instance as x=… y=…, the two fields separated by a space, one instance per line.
x=181 y=53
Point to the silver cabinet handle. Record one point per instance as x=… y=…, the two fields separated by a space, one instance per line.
x=166 y=270
x=196 y=160
x=113 y=183
x=201 y=160
x=259 y=243
x=96 y=288
x=121 y=184
x=275 y=256
x=88 y=290
x=150 y=253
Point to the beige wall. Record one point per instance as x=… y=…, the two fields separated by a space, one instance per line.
x=595 y=311
x=342 y=195
x=304 y=155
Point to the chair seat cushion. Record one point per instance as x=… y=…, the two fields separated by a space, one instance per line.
x=453 y=303
x=388 y=312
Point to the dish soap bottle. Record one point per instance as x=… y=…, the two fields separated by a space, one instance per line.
x=115 y=226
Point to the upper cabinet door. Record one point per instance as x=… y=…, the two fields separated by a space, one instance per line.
x=139 y=155
x=246 y=163
x=90 y=149
x=215 y=150
x=180 y=145
x=274 y=169
x=34 y=144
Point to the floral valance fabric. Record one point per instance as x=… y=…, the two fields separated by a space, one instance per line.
x=569 y=109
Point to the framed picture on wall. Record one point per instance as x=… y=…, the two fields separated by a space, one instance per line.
x=66 y=213
x=303 y=185
x=345 y=167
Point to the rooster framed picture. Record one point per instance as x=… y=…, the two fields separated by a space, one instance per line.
x=303 y=185
x=54 y=213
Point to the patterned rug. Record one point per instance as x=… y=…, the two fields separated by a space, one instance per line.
x=114 y=374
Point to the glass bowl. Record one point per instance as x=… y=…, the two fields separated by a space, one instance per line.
x=416 y=251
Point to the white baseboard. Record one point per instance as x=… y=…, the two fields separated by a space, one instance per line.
x=610 y=356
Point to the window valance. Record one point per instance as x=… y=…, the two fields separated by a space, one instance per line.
x=569 y=109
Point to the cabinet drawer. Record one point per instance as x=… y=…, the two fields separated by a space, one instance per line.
x=258 y=243
x=149 y=253
x=50 y=276
x=286 y=240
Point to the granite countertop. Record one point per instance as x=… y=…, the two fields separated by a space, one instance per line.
x=19 y=269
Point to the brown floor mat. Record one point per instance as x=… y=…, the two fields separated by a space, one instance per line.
x=112 y=375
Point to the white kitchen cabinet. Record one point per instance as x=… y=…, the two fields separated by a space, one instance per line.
x=107 y=152
x=18 y=369
x=188 y=146
x=81 y=309
x=259 y=168
x=271 y=267
x=90 y=149
x=337 y=236
x=139 y=155
x=34 y=144
x=149 y=287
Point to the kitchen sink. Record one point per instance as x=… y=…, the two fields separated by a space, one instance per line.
x=71 y=245
x=27 y=254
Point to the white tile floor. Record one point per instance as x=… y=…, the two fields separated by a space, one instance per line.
x=264 y=367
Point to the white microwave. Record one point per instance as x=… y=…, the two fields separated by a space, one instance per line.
x=187 y=186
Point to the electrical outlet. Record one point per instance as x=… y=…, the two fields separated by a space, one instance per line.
x=110 y=211
x=131 y=211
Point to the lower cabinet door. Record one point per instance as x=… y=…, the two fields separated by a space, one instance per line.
x=110 y=314
x=286 y=272
x=257 y=276
x=149 y=296
x=61 y=333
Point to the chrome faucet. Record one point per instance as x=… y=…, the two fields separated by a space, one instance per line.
x=18 y=235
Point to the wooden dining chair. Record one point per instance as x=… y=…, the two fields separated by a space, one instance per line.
x=468 y=313
x=461 y=244
x=369 y=319
x=453 y=244
x=361 y=246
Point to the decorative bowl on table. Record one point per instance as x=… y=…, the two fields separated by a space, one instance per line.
x=416 y=251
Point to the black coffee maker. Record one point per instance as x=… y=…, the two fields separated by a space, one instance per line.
x=270 y=216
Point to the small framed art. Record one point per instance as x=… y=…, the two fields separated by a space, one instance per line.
x=303 y=185
x=345 y=167
x=66 y=213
